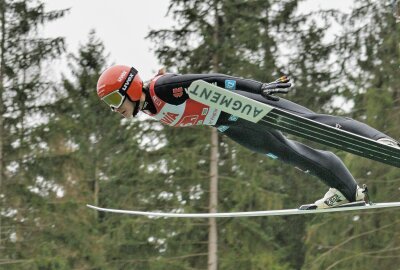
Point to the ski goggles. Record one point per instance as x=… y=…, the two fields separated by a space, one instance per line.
x=114 y=99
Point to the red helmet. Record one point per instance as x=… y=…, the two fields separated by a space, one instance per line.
x=123 y=78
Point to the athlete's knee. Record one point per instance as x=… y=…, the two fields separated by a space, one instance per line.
x=332 y=161
x=328 y=155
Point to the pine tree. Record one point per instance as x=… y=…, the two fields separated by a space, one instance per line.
x=22 y=94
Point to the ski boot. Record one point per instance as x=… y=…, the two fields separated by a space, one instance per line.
x=334 y=198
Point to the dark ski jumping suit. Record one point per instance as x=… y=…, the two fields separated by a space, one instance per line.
x=168 y=102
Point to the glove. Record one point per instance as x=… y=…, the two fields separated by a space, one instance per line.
x=276 y=87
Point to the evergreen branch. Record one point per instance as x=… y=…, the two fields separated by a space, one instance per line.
x=351 y=239
x=163 y=258
x=368 y=253
x=5 y=261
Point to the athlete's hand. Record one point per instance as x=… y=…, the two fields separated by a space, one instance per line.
x=161 y=71
x=279 y=86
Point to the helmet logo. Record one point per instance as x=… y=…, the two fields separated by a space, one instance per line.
x=121 y=77
x=101 y=89
x=128 y=82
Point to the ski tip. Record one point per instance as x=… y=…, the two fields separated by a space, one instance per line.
x=91 y=206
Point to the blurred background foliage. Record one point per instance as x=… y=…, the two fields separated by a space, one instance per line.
x=61 y=148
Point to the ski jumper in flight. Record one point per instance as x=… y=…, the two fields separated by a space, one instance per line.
x=165 y=98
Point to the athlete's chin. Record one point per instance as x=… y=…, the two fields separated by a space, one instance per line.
x=127 y=115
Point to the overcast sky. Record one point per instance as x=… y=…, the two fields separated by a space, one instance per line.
x=123 y=24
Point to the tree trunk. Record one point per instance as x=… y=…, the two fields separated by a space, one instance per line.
x=213 y=235
x=2 y=51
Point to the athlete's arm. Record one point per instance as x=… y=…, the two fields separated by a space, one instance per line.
x=171 y=87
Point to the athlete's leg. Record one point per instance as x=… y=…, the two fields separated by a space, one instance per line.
x=323 y=164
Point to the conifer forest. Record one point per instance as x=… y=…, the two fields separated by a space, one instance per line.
x=62 y=148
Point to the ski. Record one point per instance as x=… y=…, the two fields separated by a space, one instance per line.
x=284 y=212
x=257 y=112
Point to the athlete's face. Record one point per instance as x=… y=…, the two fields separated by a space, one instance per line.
x=126 y=109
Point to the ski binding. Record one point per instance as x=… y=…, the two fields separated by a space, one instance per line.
x=352 y=204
